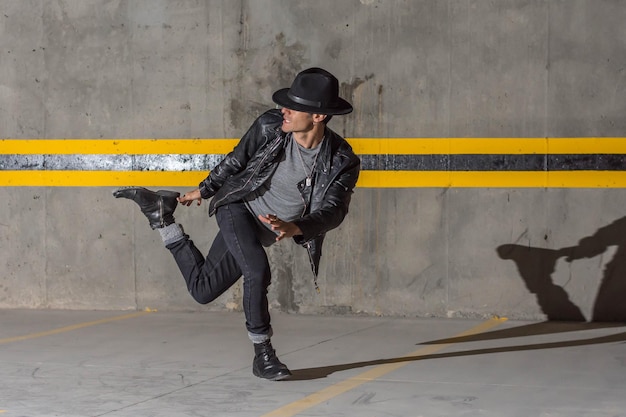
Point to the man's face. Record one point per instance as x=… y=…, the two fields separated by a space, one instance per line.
x=296 y=121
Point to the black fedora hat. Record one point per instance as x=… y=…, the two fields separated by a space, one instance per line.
x=314 y=91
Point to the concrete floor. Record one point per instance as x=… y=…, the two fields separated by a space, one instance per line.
x=121 y=364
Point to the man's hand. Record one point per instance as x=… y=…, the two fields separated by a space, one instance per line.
x=188 y=198
x=284 y=229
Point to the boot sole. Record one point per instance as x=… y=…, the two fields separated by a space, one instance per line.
x=166 y=193
x=163 y=193
x=280 y=377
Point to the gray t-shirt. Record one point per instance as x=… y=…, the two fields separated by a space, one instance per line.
x=279 y=195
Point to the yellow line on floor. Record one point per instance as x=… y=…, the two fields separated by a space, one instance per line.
x=72 y=327
x=335 y=390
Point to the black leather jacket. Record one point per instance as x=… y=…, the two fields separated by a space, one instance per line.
x=254 y=160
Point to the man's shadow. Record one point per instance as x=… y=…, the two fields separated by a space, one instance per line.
x=536 y=266
x=520 y=331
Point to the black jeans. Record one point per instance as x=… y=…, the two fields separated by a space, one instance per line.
x=236 y=251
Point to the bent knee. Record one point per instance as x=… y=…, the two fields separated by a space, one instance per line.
x=202 y=298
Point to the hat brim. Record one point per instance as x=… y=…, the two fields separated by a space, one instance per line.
x=341 y=106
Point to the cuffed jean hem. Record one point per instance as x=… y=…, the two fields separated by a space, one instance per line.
x=260 y=338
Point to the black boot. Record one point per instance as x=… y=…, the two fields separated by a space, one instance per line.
x=157 y=206
x=266 y=364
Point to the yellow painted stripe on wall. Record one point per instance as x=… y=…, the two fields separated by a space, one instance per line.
x=489 y=179
x=427 y=146
x=586 y=146
x=363 y=146
x=367 y=179
x=116 y=146
x=101 y=178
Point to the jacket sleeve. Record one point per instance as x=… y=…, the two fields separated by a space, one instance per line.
x=334 y=206
x=238 y=158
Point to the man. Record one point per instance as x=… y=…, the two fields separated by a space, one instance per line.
x=289 y=176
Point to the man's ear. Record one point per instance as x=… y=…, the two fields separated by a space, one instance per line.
x=318 y=118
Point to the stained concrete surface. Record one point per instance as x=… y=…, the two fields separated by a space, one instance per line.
x=128 y=69
x=122 y=364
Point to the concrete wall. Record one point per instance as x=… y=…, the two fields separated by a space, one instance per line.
x=190 y=68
